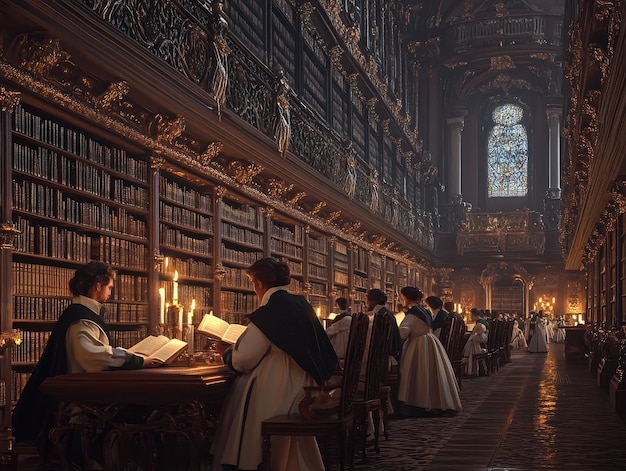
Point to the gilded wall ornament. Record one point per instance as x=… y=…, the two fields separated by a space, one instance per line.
x=502 y=63
x=293 y=201
x=318 y=207
x=38 y=54
x=157 y=162
x=115 y=92
x=332 y=217
x=211 y=151
x=277 y=189
x=244 y=174
x=167 y=130
x=9 y=99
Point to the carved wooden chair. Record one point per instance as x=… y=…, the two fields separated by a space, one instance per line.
x=455 y=349
x=338 y=424
x=370 y=398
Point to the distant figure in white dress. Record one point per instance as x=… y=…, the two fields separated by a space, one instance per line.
x=476 y=343
x=559 y=330
x=518 y=340
x=539 y=341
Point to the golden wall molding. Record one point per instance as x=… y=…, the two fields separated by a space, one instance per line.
x=165 y=137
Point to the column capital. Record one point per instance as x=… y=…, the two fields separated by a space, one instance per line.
x=457 y=121
x=554 y=113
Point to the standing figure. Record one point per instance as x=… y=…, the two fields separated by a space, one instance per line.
x=219 y=82
x=282 y=127
x=283 y=350
x=79 y=343
x=339 y=331
x=539 y=341
x=427 y=381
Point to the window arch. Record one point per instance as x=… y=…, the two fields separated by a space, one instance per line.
x=507 y=153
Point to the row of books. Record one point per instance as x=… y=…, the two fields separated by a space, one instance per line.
x=186 y=217
x=286 y=248
x=238 y=302
x=52 y=241
x=185 y=196
x=291 y=234
x=236 y=278
x=77 y=174
x=188 y=267
x=247 y=215
x=39 y=308
x=295 y=267
x=31 y=348
x=318 y=244
x=75 y=142
x=41 y=280
x=317 y=258
x=229 y=254
x=119 y=252
x=53 y=203
x=318 y=272
x=242 y=235
x=318 y=289
x=180 y=240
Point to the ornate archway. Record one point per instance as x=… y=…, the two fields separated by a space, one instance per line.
x=507 y=287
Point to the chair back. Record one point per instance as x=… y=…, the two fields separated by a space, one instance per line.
x=460 y=329
x=378 y=354
x=446 y=336
x=352 y=363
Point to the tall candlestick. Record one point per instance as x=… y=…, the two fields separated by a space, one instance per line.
x=175 y=289
x=319 y=311
x=180 y=321
x=190 y=313
x=162 y=305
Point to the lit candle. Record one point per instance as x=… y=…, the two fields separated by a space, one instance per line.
x=553 y=299
x=162 y=305
x=180 y=319
x=319 y=312
x=167 y=262
x=190 y=313
x=175 y=289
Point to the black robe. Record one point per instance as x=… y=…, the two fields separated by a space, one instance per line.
x=395 y=341
x=34 y=413
x=289 y=322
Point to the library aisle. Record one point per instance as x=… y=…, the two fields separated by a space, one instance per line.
x=537 y=413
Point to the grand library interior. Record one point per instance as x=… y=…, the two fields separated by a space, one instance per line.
x=475 y=150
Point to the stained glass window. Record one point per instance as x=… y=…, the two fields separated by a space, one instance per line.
x=507 y=148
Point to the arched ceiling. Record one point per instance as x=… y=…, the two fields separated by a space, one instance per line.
x=490 y=47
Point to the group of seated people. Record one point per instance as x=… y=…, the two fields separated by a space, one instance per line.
x=283 y=350
x=428 y=385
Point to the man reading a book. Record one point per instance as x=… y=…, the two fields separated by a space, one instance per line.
x=284 y=349
x=78 y=343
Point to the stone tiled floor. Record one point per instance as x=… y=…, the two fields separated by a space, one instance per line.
x=539 y=412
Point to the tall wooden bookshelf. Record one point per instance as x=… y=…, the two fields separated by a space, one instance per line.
x=81 y=192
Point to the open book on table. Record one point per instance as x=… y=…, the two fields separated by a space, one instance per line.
x=159 y=347
x=219 y=329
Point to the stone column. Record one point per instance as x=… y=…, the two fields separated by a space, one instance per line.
x=455 y=129
x=554 y=150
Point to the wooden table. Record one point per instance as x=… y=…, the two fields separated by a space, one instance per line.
x=158 y=419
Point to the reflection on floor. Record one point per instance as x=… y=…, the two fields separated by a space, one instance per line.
x=539 y=412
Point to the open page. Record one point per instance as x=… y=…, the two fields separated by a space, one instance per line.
x=159 y=347
x=233 y=332
x=149 y=345
x=218 y=328
x=213 y=326
x=170 y=351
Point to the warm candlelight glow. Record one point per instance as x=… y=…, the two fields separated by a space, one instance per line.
x=319 y=311
x=167 y=262
x=162 y=305
x=553 y=300
x=175 y=288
